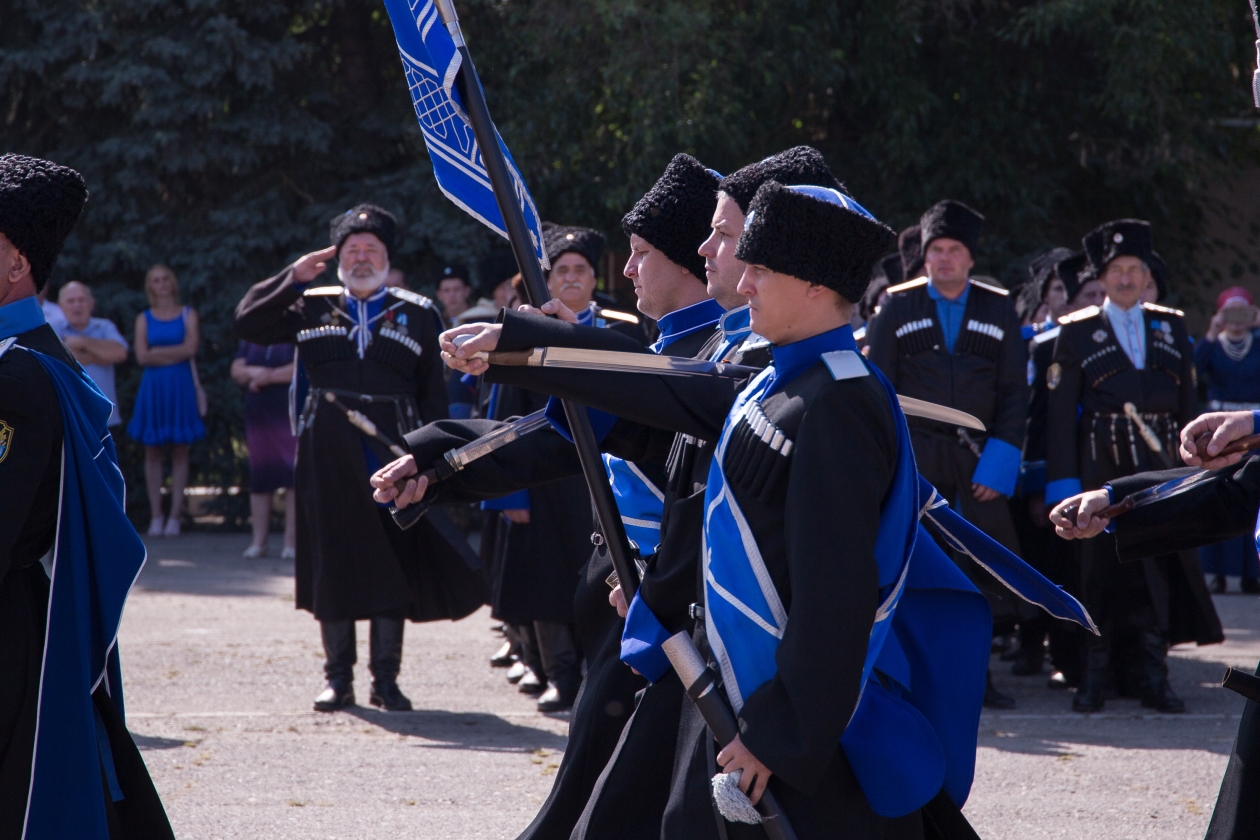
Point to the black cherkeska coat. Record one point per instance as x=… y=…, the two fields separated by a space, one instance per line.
x=352 y=561
x=1087 y=438
x=845 y=448
x=536 y=566
x=1219 y=509
x=30 y=494
x=626 y=801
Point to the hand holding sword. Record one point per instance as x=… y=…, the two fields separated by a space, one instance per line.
x=1212 y=441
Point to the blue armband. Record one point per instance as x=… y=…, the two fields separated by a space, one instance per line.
x=515 y=501
x=601 y=421
x=641 y=642
x=999 y=466
x=1060 y=489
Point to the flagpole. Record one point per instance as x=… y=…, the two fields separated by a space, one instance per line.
x=610 y=524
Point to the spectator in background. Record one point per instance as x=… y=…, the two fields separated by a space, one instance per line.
x=95 y=342
x=495 y=274
x=395 y=279
x=1228 y=362
x=264 y=372
x=167 y=411
x=453 y=291
x=52 y=312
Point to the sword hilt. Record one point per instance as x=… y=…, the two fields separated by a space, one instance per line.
x=415 y=511
x=1248 y=685
x=1110 y=512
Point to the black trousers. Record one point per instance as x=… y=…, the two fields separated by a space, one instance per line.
x=340 y=654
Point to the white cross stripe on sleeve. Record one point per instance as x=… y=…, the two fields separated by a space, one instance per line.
x=912 y=326
x=991 y=330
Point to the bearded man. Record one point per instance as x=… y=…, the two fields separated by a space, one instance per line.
x=373 y=348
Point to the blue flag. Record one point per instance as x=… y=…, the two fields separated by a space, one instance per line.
x=431 y=62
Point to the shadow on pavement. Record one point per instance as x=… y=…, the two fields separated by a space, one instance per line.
x=145 y=742
x=478 y=731
x=211 y=564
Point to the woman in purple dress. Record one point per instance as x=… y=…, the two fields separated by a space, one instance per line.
x=264 y=372
x=167 y=412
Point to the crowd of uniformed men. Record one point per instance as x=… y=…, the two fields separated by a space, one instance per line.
x=792 y=489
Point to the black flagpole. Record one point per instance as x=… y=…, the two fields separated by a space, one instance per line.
x=614 y=532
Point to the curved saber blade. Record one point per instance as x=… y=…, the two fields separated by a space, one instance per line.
x=941 y=413
x=482 y=446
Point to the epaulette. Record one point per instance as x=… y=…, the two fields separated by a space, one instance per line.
x=324 y=290
x=6 y=344
x=1046 y=335
x=1153 y=307
x=1081 y=315
x=411 y=297
x=989 y=287
x=860 y=333
x=908 y=285
x=617 y=315
x=845 y=364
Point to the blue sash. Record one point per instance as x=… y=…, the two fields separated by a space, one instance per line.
x=96 y=559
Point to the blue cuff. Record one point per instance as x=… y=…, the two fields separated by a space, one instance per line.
x=601 y=421
x=641 y=642
x=1255 y=421
x=1062 y=488
x=1111 y=500
x=998 y=467
x=1032 y=478
x=516 y=501
x=460 y=410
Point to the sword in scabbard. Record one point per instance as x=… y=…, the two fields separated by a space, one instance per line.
x=1147 y=434
x=361 y=422
x=457 y=459
x=1248 y=685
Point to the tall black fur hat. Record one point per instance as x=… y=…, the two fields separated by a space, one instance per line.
x=870 y=298
x=892 y=269
x=365 y=218
x=1041 y=269
x=1159 y=273
x=459 y=272
x=676 y=213
x=1027 y=302
x=951 y=219
x=819 y=238
x=563 y=239
x=1075 y=271
x=1120 y=238
x=800 y=165
x=495 y=267
x=39 y=204
x=910 y=246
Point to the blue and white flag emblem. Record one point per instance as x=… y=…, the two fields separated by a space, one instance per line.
x=431 y=62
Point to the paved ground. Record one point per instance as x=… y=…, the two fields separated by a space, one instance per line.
x=220 y=671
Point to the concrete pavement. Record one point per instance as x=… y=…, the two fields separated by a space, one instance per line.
x=220 y=670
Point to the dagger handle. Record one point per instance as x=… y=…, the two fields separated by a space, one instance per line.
x=509 y=358
x=1243 y=444
x=414 y=512
x=1123 y=506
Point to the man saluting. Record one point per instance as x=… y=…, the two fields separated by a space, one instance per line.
x=68 y=554
x=373 y=348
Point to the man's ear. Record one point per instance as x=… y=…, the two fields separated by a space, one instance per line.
x=19 y=265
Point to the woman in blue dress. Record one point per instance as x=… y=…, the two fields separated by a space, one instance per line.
x=1228 y=361
x=167 y=412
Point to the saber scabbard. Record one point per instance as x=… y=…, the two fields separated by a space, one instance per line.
x=701 y=684
x=361 y=422
x=1248 y=685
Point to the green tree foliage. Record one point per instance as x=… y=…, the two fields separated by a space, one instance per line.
x=220 y=136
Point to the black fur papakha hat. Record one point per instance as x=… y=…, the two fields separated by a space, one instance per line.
x=1120 y=238
x=818 y=237
x=365 y=218
x=39 y=203
x=870 y=298
x=456 y=271
x=798 y=166
x=1075 y=271
x=1041 y=269
x=910 y=246
x=1027 y=302
x=951 y=219
x=892 y=269
x=675 y=215
x=559 y=240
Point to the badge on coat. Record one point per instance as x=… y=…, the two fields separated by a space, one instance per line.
x=1100 y=336
x=1054 y=375
x=6 y=439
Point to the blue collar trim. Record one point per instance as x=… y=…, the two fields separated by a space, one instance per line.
x=935 y=294
x=689 y=319
x=20 y=316
x=737 y=322
x=791 y=360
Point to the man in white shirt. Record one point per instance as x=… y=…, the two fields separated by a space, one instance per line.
x=95 y=342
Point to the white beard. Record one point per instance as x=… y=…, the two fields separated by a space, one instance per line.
x=362 y=286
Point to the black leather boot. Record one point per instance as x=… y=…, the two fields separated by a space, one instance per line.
x=994 y=699
x=386 y=660
x=1158 y=694
x=1092 y=695
x=339 y=659
x=1032 y=653
x=557 y=648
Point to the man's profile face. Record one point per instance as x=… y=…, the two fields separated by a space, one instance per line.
x=453 y=293
x=656 y=278
x=362 y=263
x=1056 y=297
x=721 y=270
x=947 y=261
x=1090 y=294
x=1124 y=280
x=572 y=280
x=76 y=302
